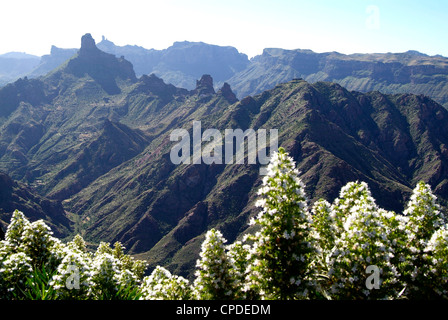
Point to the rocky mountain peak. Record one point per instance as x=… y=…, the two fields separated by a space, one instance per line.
x=205 y=85
x=227 y=93
x=103 y=67
x=88 y=44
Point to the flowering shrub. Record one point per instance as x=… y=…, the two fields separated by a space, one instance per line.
x=436 y=256
x=213 y=276
x=73 y=277
x=282 y=267
x=15 y=229
x=325 y=232
x=363 y=242
x=348 y=249
x=14 y=270
x=240 y=258
x=105 y=272
x=423 y=219
x=38 y=243
x=36 y=265
x=162 y=285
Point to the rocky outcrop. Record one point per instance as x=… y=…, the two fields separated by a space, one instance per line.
x=87 y=144
x=103 y=67
x=204 y=86
x=154 y=85
x=88 y=46
x=184 y=62
x=227 y=93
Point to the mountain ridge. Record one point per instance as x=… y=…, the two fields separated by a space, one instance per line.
x=184 y=62
x=16 y=196
x=96 y=138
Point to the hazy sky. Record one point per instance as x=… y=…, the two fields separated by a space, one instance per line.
x=346 y=26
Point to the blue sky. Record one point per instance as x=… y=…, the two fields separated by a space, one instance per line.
x=346 y=26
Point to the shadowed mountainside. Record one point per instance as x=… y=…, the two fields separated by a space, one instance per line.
x=97 y=138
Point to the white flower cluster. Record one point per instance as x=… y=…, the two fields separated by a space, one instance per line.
x=38 y=243
x=325 y=229
x=283 y=248
x=424 y=216
x=295 y=253
x=436 y=255
x=410 y=250
x=424 y=226
x=364 y=241
x=213 y=279
x=26 y=246
x=239 y=256
x=354 y=233
x=14 y=270
x=75 y=273
x=162 y=285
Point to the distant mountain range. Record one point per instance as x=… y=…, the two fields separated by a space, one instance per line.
x=184 y=62
x=14 y=65
x=87 y=147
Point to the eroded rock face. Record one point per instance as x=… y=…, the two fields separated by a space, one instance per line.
x=88 y=44
x=205 y=85
x=103 y=67
x=85 y=147
x=227 y=93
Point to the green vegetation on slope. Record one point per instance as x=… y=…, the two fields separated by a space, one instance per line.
x=351 y=249
x=106 y=155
